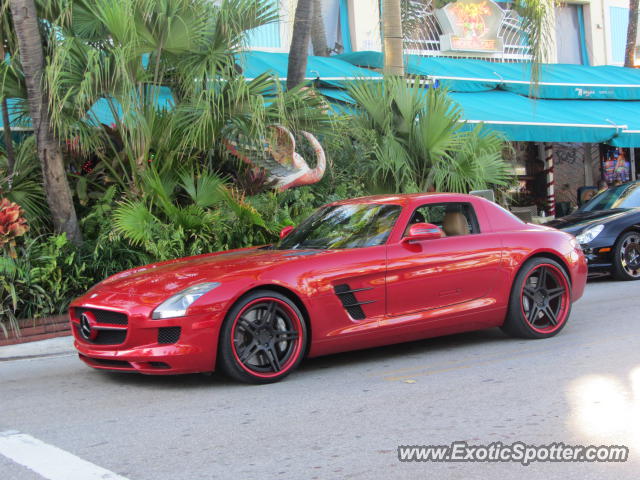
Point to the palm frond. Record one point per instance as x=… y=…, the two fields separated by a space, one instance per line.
x=537 y=18
x=204 y=189
x=134 y=221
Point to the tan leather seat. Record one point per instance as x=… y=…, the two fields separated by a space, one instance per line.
x=455 y=223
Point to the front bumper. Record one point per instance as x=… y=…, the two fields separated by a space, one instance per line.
x=599 y=259
x=147 y=349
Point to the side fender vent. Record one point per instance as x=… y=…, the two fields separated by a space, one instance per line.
x=349 y=301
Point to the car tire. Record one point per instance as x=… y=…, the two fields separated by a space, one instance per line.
x=540 y=301
x=263 y=338
x=626 y=257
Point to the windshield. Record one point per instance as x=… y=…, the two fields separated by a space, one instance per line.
x=343 y=226
x=622 y=196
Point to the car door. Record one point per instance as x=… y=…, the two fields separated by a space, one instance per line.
x=347 y=283
x=460 y=267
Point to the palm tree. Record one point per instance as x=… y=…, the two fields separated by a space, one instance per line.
x=632 y=35
x=300 y=39
x=393 y=38
x=59 y=198
x=417 y=143
x=537 y=22
x=318 y=33
x=167 y=74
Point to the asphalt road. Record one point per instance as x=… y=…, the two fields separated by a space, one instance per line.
x=344 y=416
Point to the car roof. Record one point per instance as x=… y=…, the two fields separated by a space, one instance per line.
x=406 y=199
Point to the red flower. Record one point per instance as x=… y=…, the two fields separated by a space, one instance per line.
x=12 y=225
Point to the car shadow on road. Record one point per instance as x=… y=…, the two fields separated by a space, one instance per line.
x=384 y=356
x=379 y=357
x=186 y=381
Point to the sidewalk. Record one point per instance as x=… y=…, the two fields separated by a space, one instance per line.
x=41 y=348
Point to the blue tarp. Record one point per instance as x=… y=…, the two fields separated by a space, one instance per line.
x=556 y=81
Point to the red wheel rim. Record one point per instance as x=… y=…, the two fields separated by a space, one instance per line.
x=266 y=337
x=545 y=298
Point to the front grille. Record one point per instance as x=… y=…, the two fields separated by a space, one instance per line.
x=105 y=337
x=104 y=316
x=168 y=334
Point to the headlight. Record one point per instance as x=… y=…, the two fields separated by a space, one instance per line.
x=177 y=305
x=589 y=234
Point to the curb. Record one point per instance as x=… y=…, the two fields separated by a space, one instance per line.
x=60 y=345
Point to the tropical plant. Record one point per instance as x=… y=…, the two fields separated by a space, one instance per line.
x=104 y=251
x=12 y=225
x=22 y=184
x=141 y=81
x=418 y=143
x=186 y=213
x=58 y=193
x=41 y=280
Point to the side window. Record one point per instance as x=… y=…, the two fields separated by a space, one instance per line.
x=453 y=218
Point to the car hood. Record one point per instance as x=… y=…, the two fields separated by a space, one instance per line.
x=578 y=221
x=173 y=276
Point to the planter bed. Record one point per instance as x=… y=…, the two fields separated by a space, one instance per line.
x=38 y=329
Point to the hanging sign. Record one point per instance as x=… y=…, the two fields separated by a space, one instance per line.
x=471 y=26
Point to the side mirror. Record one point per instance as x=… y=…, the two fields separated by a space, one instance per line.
x=422 y=231
x=285 y=231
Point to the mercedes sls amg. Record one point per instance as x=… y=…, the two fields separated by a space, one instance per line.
x=356 y=274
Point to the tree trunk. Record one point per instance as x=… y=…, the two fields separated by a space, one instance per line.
x=56 y=186
x=299 y=43
x=392 y=32
x=632 y=35
x=318 y=34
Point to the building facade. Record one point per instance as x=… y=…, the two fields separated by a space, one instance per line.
x=588 y=32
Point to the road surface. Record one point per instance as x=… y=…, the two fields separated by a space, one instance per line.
x=343 y=416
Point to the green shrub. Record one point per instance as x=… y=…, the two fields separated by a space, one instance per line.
x=46 y=275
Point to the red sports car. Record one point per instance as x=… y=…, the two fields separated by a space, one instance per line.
x=356 y=274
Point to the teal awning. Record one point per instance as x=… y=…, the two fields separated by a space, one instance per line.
x=574 y=103
x=18 y=120
x=520 y=118
x=101 y=112
x=556 y=81
x=329 y=70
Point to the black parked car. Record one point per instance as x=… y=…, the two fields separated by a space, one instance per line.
x=608 y=229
